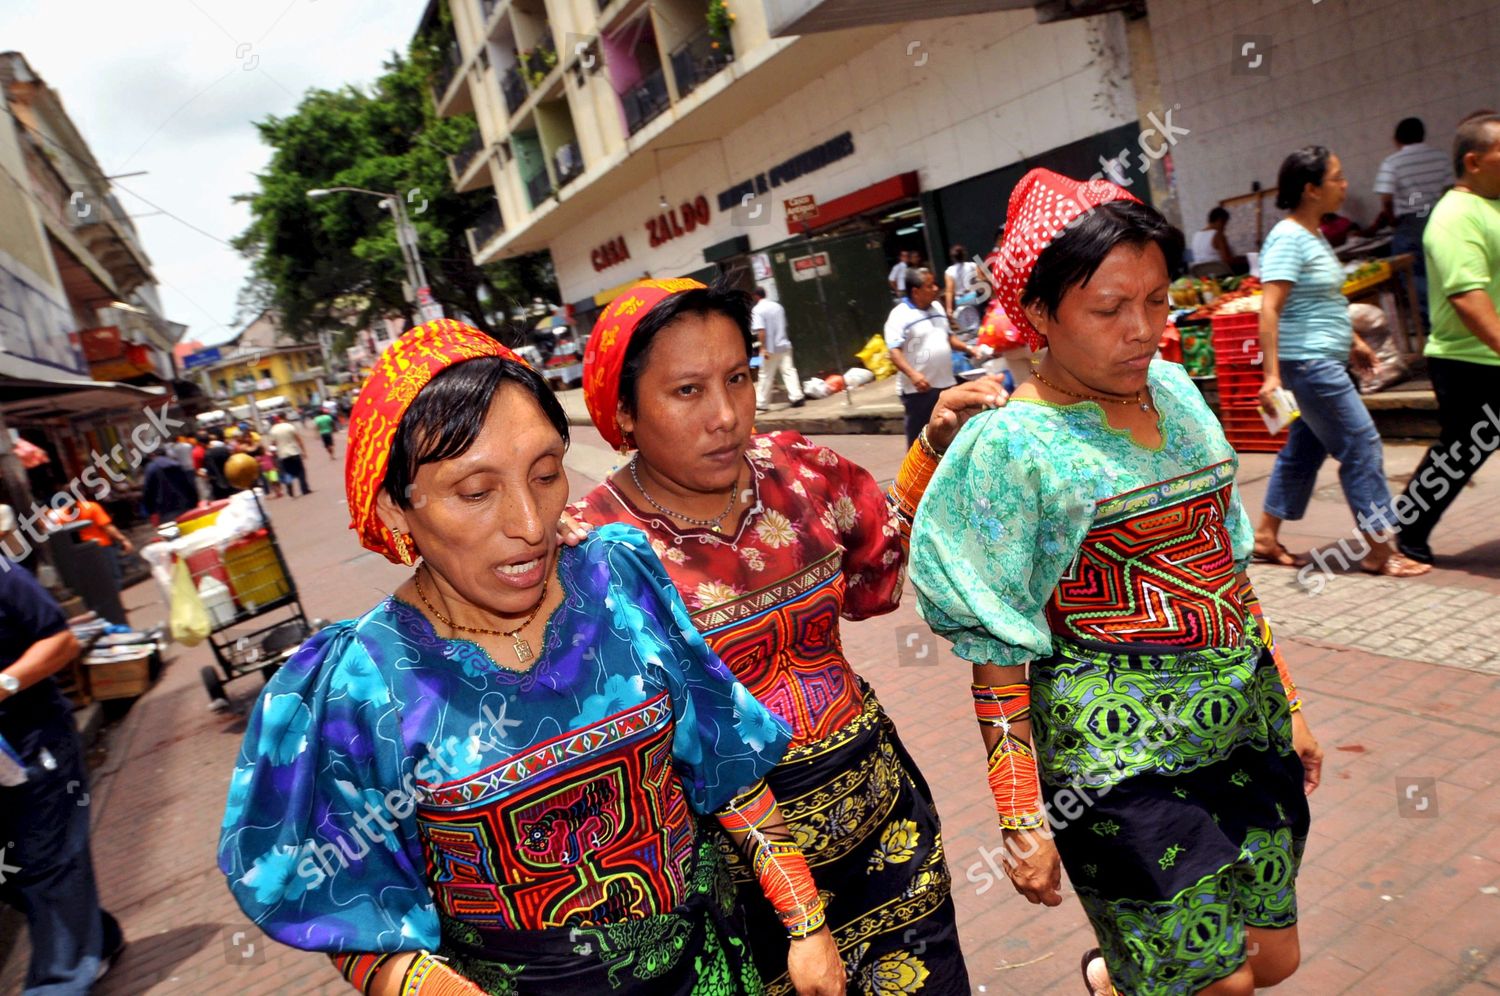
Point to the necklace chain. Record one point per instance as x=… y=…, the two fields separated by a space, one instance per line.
x=716 y=523
x=1144 y=403
x=521 y=647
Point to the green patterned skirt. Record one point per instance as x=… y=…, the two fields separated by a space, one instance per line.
x=1177 y=804
x=695 y=950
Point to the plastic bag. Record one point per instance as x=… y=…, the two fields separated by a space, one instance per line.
x=877 y=358
x=858 y=376
x=814 y=387
x=1390 y=367
x=190 y=622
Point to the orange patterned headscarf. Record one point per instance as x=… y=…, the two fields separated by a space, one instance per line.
x=605 y=355
x=399 y=375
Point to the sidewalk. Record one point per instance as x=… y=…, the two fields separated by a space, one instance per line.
x=1400 y=891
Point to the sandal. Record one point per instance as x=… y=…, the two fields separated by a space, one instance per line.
x=1398 y=566
x=1097 y=982
x=1280 y=557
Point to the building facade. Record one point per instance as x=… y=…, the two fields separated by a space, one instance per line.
x=263 y=365
x=660 y=139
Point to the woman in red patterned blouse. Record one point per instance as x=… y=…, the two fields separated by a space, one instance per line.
x=771 y=539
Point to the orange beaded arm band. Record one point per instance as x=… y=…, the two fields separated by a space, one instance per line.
x=911 y=483
x=428 y=976
x=1012 y=766
x=360 y=968
x=779 y=865
x=1252 y=602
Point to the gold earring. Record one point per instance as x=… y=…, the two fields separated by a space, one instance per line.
x=404 y=548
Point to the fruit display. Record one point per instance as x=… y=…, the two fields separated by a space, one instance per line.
x=1243 y=296
x=1188 y=292
x=1365 y=275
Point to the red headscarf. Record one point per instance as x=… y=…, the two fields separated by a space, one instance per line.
x=605 y=355
x=399 y=374
x=1041 y=206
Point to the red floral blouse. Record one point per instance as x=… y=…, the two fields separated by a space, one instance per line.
x=818 y=543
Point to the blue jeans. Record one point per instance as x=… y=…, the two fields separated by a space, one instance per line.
x=1407 y=238
x=46 y=833
x=1334 y=422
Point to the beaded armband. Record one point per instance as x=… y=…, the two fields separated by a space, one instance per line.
x=1012 y=765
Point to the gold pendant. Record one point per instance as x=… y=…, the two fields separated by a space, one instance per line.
x=523 y=651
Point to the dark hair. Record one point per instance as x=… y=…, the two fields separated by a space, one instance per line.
x=1072 y=259
x=1218 y=214
x=759 y=291
x=720 y=299
x=1308 y=164
x=1472 y=136
x=957 y=254
x=1410 y=131
x=445 y=417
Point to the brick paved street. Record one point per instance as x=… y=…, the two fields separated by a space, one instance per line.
x=1400 y=890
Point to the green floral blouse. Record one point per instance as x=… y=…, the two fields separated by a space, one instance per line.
x=1040 y=520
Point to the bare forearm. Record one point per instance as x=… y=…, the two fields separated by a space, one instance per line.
x=899 y=359
x=44 y=658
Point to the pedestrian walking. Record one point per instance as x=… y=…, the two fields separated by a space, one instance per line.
x=769 y=539
x=1085 y=550
x=168 y=489
x=897 y=277
x=1409 y=182
x=1309 y=342
x=46 y=870
x=769 y=319
x=1462 y=245
x=290 y=454
x=214 y=457
x=922 y=343
x=325 y=425
x=539 y=716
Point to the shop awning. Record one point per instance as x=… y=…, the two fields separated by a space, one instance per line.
x=603 y=298
x=901 y=187
x=35 y=390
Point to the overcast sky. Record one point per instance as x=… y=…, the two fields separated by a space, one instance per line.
x=173 y=86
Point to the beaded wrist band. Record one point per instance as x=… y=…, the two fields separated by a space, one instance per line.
x=428 y=976
x=778 y=865
x=1012 y=766
x=360 y=968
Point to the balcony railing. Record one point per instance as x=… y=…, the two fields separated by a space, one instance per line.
x=644 y=101
x=539 y=188
x=514 y=88
x=461 y=159
x=698 y=59
x=489 y=225
x=448 y=67
x=568 y=163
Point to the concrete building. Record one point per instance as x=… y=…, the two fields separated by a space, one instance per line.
x=665 y=138
x=262 y=364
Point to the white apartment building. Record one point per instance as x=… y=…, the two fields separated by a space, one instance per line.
x=632 y=138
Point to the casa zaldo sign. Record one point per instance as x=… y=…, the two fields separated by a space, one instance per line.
x=678 y=221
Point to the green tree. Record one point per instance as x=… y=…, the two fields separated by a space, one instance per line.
x=335 y=262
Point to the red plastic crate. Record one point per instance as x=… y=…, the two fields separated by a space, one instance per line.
x=1247 y=433
x=1236 y=341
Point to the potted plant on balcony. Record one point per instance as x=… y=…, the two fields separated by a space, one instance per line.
x=536 y=63
x=719 y=20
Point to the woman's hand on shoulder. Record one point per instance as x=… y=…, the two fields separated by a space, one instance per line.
x=571 y=531
x=958 y=404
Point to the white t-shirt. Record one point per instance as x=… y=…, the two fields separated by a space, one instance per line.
x=963 y=276
x=1203 y=250
x=1415 y=176
x=897 y=272
x=922 y=337
x=770 y=317
x=284 y=436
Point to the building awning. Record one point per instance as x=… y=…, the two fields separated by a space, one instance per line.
x=603 y=298
x=35 y=390
x=892 y=190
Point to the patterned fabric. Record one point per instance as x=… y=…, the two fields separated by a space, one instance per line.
x=1021 y=490
x=1041 y=206
x=604 y=356
x=1157 y=566
x=399 y=374
x=820 y=543
x=391 y=779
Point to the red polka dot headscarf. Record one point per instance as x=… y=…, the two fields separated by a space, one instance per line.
x=1042 y=205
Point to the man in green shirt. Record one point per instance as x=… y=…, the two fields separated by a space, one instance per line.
x=325 y=425
x=1462 y=246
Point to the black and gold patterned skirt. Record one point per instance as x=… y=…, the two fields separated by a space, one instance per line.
x=864 y=816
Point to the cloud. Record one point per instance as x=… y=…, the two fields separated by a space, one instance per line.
x=174 y=87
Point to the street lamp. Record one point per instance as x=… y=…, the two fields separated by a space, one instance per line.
x=406 y=238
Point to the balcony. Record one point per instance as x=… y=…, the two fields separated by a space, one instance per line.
x=537 y=63
x=514 y=89
x=489 y=225
x=567 y=163
x=459 y=162
x=698 y=59
x=448 y=66
x=645 y=101
x=539 y=188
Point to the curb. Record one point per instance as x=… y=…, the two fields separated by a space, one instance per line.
x=852 y=424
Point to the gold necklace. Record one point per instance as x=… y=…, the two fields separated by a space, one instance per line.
x=524 y=653
x=716 y=523
x=1145 y=403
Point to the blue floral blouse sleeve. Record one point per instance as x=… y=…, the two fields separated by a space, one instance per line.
x=724 y=740
x=993 y=534
x=319 y=841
